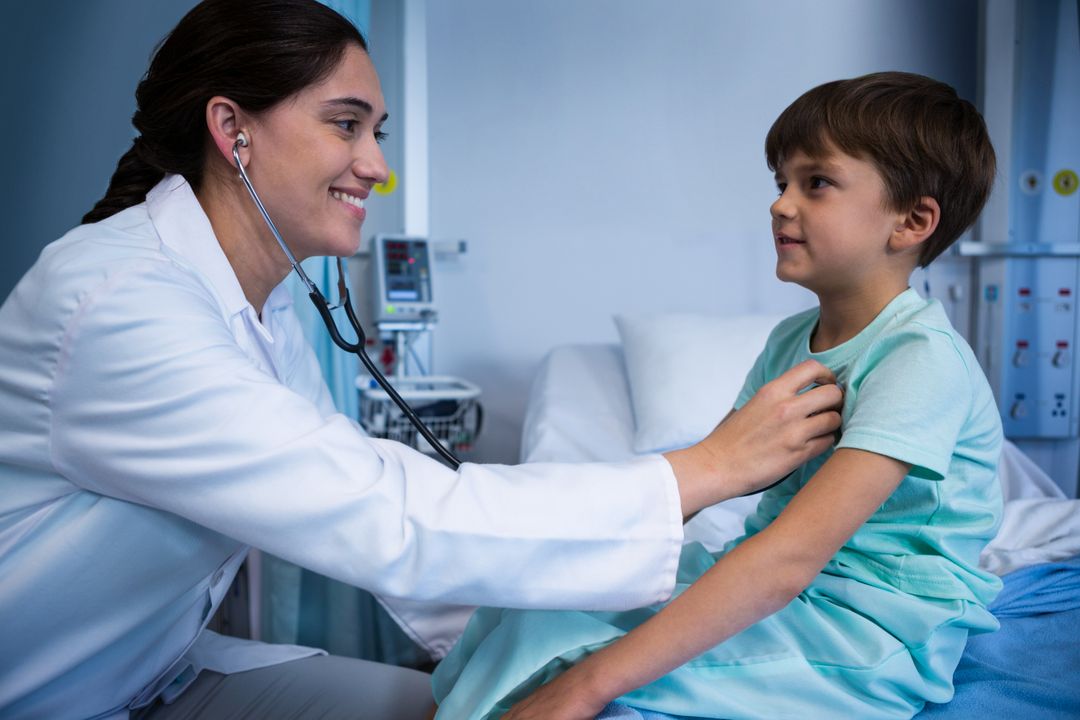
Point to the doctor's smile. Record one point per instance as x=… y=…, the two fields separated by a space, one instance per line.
x=354 y=200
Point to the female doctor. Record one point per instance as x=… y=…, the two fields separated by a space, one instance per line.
x=161 y=414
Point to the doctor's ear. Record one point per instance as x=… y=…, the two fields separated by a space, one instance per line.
x=224 y=120
x=916 y=225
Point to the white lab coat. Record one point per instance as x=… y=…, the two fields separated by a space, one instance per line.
x=153 y=430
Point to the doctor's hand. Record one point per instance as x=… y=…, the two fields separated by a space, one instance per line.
x=779 y=429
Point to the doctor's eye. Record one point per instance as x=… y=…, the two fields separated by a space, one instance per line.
x=380 y=136
x=347 y=125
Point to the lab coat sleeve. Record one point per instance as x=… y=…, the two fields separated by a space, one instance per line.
x=155 y=403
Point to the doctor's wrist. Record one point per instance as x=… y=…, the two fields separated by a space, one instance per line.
x=701 y=478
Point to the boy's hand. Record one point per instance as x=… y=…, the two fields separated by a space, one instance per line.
x=567 y=697
x=779 y=429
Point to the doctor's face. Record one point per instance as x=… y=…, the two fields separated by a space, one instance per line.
x=316 y=156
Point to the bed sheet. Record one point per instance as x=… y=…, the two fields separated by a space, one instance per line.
x=579 y=407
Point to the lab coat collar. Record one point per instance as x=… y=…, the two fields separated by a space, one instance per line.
x=185 y=229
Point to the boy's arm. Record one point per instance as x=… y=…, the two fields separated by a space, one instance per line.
x=754 y=580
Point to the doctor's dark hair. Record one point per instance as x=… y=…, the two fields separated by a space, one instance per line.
x=255 y=52
x=923 y=139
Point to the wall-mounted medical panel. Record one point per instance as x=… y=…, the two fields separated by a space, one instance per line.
x=1027 y=324
x=1026 y=261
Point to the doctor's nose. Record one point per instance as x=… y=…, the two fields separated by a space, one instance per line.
x=370 y=164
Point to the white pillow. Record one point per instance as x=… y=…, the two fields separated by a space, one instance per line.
x=685 y=371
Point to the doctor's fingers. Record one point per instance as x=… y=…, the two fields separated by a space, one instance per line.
x=820 y=424
x=821 y=399
x=816 y=446
x=810 y=436
x=803 y=375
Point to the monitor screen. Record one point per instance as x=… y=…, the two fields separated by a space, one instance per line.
x=407 y=271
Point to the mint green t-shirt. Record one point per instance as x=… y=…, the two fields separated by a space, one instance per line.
x=913 y=392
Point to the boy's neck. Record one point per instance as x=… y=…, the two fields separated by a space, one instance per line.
x=844 y=314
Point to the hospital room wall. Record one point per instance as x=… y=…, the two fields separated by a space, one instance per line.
x=69 y=73
x=607 y=157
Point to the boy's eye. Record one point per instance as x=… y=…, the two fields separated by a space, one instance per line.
x=780 y=187
x=817 y=182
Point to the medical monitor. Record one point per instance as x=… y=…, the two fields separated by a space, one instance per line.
x=403 y=288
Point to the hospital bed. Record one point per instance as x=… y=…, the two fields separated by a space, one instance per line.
x=603 y=402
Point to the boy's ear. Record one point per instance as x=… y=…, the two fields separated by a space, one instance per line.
x=916 y=225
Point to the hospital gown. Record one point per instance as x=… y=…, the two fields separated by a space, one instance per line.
x=882 y=627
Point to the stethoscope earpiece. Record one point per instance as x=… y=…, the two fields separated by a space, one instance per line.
x=241 y=140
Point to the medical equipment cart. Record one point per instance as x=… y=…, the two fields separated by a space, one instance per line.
x=448 y=405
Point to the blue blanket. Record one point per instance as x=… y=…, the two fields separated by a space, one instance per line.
x=1029 y=669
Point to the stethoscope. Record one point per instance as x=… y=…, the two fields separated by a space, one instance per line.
x=324 y=309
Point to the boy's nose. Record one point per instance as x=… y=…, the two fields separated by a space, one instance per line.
x=782 y=207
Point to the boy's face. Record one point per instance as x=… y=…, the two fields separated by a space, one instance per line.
x=831 y=223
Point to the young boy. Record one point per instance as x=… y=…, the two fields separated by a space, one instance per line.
x=854 y=589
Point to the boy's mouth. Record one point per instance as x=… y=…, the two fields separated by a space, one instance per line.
x=785 y=240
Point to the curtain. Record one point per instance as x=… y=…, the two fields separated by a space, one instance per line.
x=299 y=606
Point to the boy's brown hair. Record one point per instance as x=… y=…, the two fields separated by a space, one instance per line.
x=921 y=137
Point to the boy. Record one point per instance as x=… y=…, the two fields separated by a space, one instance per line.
x=857 y=582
